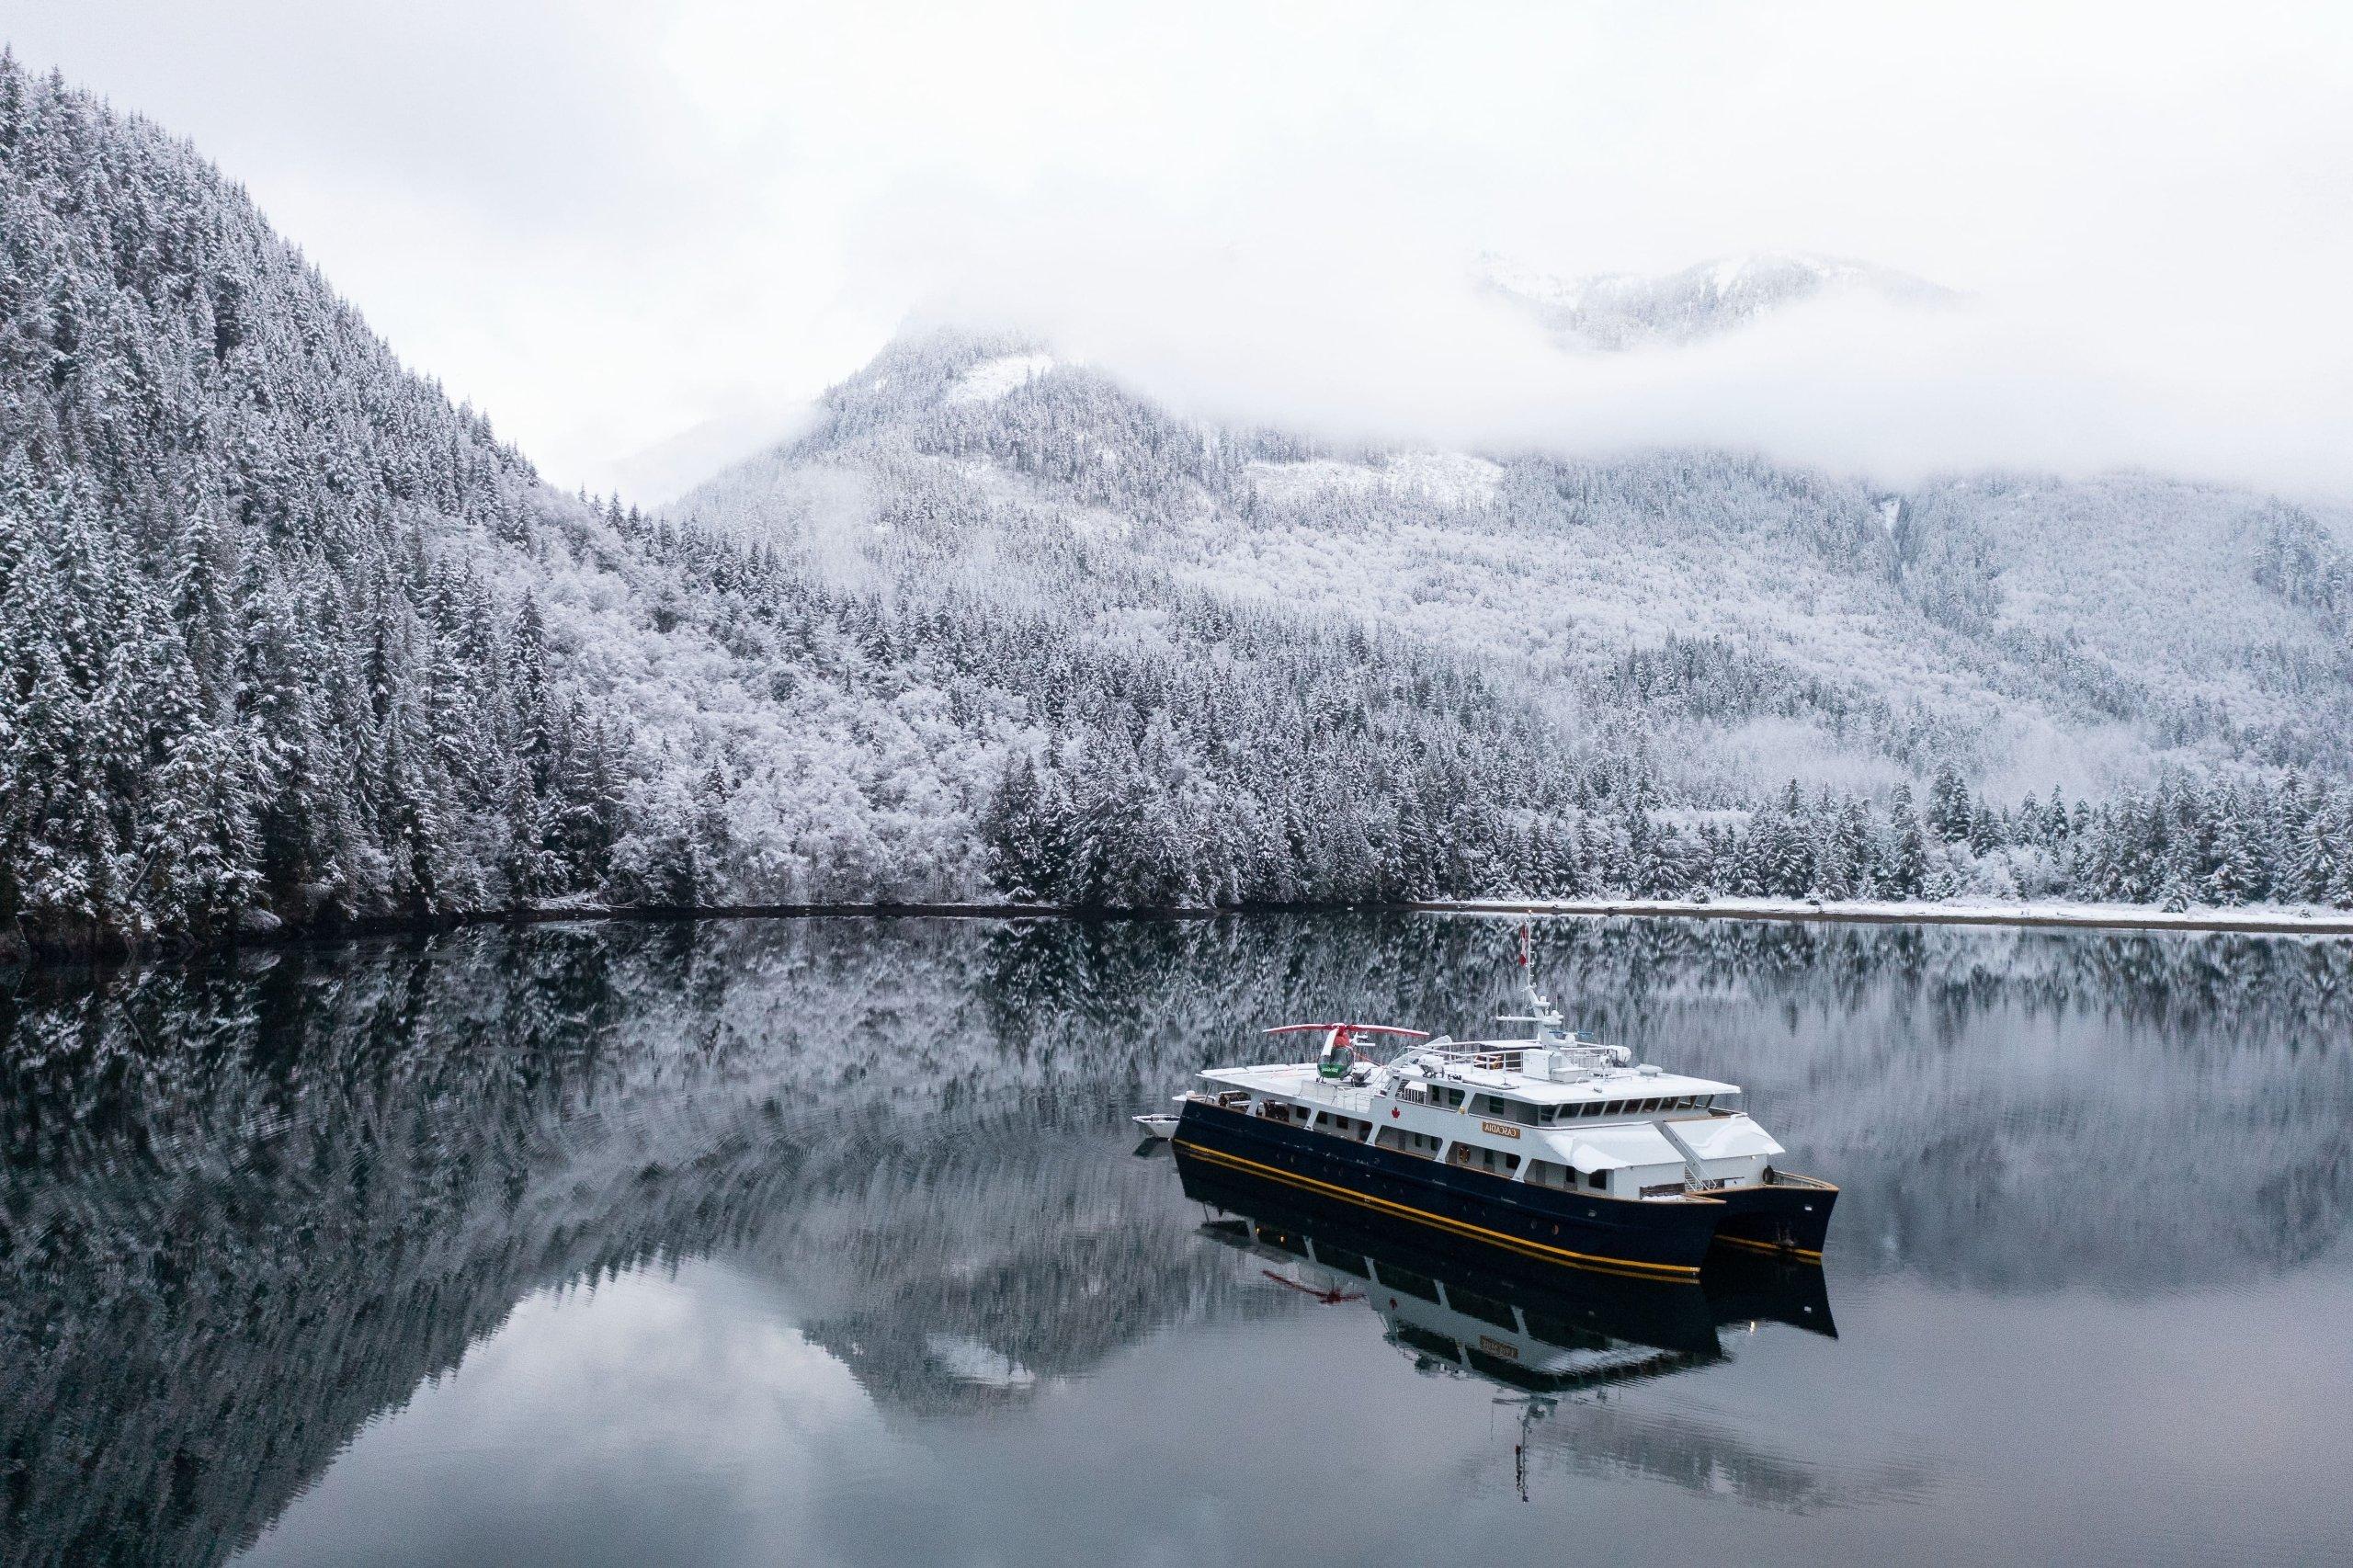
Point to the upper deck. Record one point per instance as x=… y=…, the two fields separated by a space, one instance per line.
x=1536 y=1083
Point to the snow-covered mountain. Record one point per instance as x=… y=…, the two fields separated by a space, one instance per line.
x=1616 y=311
x=1717 y=624
x=288 y=639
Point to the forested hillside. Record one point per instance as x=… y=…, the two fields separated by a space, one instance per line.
x=285 y=637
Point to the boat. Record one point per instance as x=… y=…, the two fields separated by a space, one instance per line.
x=1156 y=1126
x=1554 y=1147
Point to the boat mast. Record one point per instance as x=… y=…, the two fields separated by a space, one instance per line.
x=1540 y=1012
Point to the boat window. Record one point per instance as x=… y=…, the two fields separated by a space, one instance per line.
x=1406 y=1280
x=1596 y=1179
x=1487 y=1308
x=1346 y=1262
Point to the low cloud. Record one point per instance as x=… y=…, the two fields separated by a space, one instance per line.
x=607 y=230
x=1387 y=338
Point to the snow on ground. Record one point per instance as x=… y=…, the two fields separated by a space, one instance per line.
x=1453 y=479
x=2302 y=920
x=992 y=379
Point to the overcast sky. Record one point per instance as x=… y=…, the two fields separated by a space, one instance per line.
x=639 y=236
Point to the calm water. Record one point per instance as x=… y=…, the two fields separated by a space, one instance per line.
x=828 y=1242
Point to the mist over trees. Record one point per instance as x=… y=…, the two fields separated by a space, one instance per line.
x=285 y=637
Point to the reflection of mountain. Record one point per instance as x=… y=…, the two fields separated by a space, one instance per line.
x=1555 y=1342
x=2020 y=1109
x=249 y=1206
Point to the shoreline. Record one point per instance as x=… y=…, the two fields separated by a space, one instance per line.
x=2273 y=922
x=2027 y=916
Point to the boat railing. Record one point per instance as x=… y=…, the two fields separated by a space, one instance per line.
x=1344 y=1096
x=1447 y=1056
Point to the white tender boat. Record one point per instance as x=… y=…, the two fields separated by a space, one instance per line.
x=1160 y=1126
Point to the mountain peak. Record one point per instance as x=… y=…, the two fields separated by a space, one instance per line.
x=1612 y=310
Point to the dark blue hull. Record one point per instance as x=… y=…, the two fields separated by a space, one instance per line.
x=1790 y=1216
x=1645 y=1240
x=1673 y=1314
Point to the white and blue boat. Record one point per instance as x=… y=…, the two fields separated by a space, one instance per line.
x=1555 y=1147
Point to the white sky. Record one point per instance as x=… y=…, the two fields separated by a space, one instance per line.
x=641 y=235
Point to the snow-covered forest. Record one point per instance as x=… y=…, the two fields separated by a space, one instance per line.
x=285 y=638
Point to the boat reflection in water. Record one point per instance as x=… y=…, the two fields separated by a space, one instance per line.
x=1541 y=1332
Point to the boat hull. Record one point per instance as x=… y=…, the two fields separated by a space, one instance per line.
x=1673 y=1314
x=1641 y=1239
x=1790 y=1216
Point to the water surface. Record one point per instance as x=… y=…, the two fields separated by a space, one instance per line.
x=827 y=1242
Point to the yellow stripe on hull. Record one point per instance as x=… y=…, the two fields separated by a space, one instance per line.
x=1809 y=1255
x=1564 y=1255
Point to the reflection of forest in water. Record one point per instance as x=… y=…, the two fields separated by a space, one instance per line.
x=249 y=1204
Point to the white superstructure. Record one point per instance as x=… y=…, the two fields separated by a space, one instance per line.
x=1557 y=1110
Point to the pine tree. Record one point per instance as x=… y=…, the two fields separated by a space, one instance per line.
x=1948 y=804
x=1903 y=853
